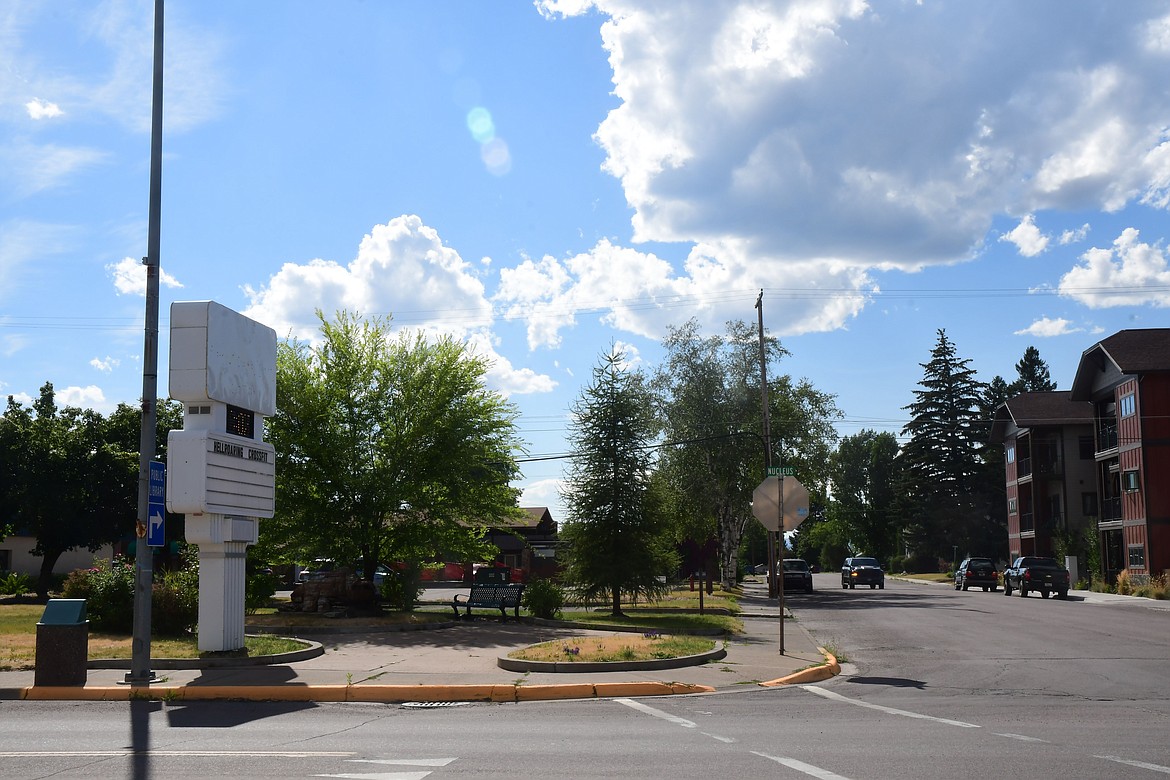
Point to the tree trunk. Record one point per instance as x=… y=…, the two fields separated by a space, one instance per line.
x=45 y=579
x=730 y=535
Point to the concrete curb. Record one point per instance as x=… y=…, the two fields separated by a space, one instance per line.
x=568 y=667
x=817 y=673
x=389 y=694
x=313 y=650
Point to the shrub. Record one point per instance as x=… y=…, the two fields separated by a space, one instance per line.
x=543 y=599
x=259 y=588
x=108 y=590
x=1124 y=584
x=15 y=584
x=401 y=590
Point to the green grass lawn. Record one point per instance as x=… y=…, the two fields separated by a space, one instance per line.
x=18 y=641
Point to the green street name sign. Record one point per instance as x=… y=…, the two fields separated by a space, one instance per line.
x=781 y=471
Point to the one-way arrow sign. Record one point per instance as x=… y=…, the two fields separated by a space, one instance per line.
x=156 y=505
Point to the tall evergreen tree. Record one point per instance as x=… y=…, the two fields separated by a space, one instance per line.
x=1032 y=374
x=615 y=529
x=940 y=461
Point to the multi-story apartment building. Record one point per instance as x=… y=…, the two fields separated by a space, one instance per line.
x=1048 y=460
x=1125 y=382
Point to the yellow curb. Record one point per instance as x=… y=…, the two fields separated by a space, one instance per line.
x=605 y=690
x=554 y=692
x=431 y=693
x=815 y=674
x=362 y=693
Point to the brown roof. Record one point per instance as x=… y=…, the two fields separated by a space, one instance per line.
x=1135 y=351
x=1030 y=410
x=536 y=514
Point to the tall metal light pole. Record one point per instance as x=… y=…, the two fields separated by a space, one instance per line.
x=140 y=672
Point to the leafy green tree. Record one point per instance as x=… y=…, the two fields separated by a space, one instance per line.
x=389 y=448
x=940 y=463
x=76 y=486
x=865 y=486
x=709 y=396
x=615 y=531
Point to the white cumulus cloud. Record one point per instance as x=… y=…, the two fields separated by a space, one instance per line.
x=43 y=109
x=105 y=365
x=1130 y=273
x=402 y=268
x=87 y=397
x=129 y=277
x=1047 y=326
x=823 y=140
x=1027 y=237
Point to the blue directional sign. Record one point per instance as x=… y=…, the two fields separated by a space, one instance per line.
x=156 y=505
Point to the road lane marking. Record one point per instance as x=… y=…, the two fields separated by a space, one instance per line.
x=1023 y=738
x=888 y=710
x=174 y=754
x=1139 y=764
x=640 y=707
x=800 y=766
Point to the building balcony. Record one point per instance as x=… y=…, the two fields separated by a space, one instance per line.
x=1107 y=437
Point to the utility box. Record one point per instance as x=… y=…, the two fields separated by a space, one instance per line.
x=496 y=575
x=62 y=644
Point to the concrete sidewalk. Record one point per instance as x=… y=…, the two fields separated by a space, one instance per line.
x=459 y=663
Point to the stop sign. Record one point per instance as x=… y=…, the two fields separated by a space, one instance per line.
x=766 y=502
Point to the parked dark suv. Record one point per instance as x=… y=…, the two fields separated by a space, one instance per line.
x=797 y=576
x=862 y=571
x=980 y=572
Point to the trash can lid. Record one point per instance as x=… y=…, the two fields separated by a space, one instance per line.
x=64 y=612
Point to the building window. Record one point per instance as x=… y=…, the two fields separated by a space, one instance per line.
x=1011 y=506
x=1089 y=504
x=1128 y=407
x=5 y=560
x=1086 y=446
x=1010 y=453
x=1129 y=481
x=1137 y=556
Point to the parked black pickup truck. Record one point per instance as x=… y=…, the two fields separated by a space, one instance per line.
x=1030 y=573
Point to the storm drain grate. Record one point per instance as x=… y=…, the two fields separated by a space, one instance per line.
x=426 y=705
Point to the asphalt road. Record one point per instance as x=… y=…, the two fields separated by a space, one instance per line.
x=937 y=684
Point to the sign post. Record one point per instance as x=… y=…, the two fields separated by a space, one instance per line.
x=780 y=503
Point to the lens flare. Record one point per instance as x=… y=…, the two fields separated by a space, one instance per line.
x=479 y=122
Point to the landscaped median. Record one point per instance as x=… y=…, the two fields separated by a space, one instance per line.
x=388 y=694
x=830 y=668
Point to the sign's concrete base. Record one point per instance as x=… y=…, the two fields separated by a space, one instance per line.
x=223 y=548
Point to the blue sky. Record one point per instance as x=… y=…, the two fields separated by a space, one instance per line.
x=545 y=180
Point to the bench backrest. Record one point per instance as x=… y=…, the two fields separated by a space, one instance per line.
x=508 y=595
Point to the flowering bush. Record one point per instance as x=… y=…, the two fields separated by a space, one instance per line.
x=108 y=590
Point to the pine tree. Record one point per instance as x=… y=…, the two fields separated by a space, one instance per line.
x=615 y=527
x=941 y=460
x=1033 y=374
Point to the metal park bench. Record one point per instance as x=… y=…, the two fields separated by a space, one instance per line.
x=491 y=596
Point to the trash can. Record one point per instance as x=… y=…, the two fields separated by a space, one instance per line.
x=62 y=644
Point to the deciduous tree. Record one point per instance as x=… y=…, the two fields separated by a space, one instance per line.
x=389 y=447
